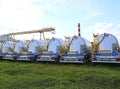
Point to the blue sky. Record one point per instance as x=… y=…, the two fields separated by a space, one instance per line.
x=95 y=16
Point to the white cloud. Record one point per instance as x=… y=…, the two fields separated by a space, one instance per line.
x=60 y=1
x=105 y=28
x=4 y=31
x=92 y=15
x=19 y=14
x=96 y=14
x=118 y=25
x=15 y=3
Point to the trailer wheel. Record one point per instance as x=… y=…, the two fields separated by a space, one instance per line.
x=87 y=57
x=84 y=61
x=35 y=58
x=15 y=58
x=57 y=59
x=1 y=57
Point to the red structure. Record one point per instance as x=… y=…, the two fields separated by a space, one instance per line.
x=79 y=29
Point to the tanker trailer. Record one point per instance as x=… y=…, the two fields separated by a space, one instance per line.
x=55 y=47
x=105 y=49
x=5 y=38
x=31 y=50
x=21 y=50
x=1 y=54
x=78 y=51
x=8 y=50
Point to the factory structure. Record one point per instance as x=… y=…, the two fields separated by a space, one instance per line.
x=103 y=49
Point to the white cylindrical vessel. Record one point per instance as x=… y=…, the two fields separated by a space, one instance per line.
x=20 y=46
x=108 y=43
x=55 y=45
x=79 y=44
x=36 y=46
x=1 y=43
x=5 y=38
x=8 y=46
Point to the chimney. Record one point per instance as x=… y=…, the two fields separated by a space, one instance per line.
x=79 y=29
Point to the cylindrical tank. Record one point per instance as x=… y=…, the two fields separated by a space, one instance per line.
x=36 y=46
x=1 y=46
x=56 y=45
x=5 y=38
x=8 y=46
x=20 y=46
x=79 y=44
x=108 y=43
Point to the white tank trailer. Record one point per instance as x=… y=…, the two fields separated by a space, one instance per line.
x=78 y=51
x=1 y=47
x=55 y=47
x=1 y=54
x=31 y=49
x=20 y=49
x=5 y=38
x=8 y=50
x=108 y=49
x=36 y=46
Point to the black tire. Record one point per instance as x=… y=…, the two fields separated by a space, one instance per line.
x=57 y=59
x=1 y=57
x=35 y=58
x=15 y=58
x=87 y=57
x=84 y=61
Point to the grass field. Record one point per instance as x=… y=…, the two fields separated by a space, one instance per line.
x=24 y=75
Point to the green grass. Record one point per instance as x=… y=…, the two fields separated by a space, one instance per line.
x=26 y=75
